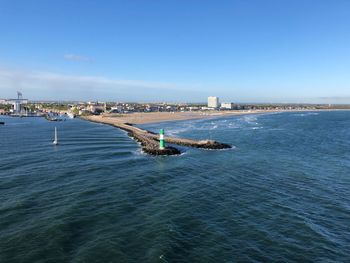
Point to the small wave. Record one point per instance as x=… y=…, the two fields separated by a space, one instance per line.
x=276 y=129
x=306 y=114
x=250 y=118
x=140 y=152
x=17 y=123
x=233 y=125
x=226 y=149
x=175 y=131
x=181 y=154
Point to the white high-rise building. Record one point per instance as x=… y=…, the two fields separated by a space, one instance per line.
x=213 y=102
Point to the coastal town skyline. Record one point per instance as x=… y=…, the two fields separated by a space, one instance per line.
x=272 y=52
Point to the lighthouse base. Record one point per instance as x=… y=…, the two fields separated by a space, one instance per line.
x=166 y=151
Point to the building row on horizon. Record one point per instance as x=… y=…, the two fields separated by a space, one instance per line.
x=20 y=106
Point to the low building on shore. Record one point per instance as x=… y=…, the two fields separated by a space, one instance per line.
x=117 y=109
x=96 y=109
x=226 y=106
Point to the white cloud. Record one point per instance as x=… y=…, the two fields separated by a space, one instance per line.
x=73 y=57
x=48 y=85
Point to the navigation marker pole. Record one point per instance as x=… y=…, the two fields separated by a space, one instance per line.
x=55 y=142
x=161 y=139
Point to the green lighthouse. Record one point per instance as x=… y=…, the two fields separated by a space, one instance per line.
x=161 y=139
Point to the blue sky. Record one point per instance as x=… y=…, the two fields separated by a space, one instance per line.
x=162 y=50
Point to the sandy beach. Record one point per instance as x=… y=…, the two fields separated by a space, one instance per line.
x=154 y=117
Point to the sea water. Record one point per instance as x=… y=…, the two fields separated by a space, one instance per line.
x=281 y=194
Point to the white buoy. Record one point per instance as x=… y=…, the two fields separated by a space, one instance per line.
x=55 y=142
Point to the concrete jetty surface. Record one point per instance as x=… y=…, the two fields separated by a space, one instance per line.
x=150 y=141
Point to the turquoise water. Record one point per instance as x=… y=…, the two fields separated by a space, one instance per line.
x=282 y=194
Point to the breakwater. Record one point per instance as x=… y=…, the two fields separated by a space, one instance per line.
x=150 y=141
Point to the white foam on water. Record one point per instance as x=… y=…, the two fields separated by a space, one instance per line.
x=234 y=125
x=176 y=130
x=306 y=114
x=181 y=154
x=211 y=125
x=226 y=149
x=250 y=118
x=139 y=152
x=276 y=129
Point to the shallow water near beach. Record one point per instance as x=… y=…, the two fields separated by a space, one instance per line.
x=281 y=194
